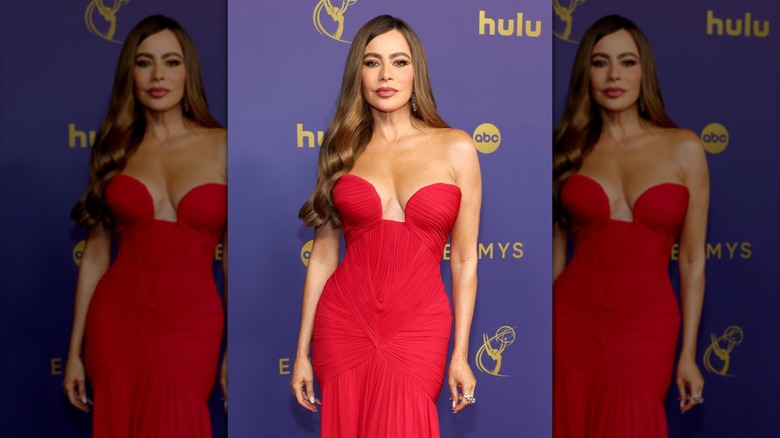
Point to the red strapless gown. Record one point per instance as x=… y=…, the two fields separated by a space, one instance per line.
x=615 y=315
x=383 y=320
x=155 y=321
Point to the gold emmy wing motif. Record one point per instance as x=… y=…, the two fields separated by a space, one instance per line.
x=108 y=14
x=722 y=347
x=335 y=13
x=494 y=347
x=564 y=13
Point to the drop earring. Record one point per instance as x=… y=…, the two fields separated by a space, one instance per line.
x=413 y=101
x=185 y=105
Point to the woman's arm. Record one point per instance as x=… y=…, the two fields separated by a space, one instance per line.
x=463 y=263
x=560 y=241
x=223 y=371
x=218 y=137
x=323 y=260
x=94 y=263
x=691 y=262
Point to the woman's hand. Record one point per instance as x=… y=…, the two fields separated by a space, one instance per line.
x=690 y=385
x=302 y=384
x=75 y=384
x=94 y=263
x=461 y=378
x=223 y=379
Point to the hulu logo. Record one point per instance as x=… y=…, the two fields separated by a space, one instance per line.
x=80 y=137
x=307 y=137
x=737 y=27
x=518 y=26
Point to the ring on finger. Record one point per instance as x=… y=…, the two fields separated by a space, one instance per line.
x=697 y=398
x=470 y=398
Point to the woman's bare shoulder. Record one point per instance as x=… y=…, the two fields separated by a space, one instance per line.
x=211 y=142
x=680 y=138
x=685 y=146
x=216 y=136
x=458 y=149
x=453 y=140
x=210 y=145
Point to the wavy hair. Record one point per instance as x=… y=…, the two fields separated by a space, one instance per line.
x=352 y=126
x=124 y=127
x=580 y=127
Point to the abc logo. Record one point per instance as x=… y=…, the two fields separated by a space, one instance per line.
x=487 y=138
x=715 y=138
x=306 y=252
x=78 y=252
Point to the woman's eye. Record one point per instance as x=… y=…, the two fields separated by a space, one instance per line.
x=142 y=63
x=371 y=63
x=630 y=62
x=173 y=62
x=401 y=62
x=598 y=63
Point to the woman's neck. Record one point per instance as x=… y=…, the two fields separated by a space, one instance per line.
x=167 y=125
x=395 y=126
x=621 y=125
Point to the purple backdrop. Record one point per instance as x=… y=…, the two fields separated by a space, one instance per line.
x=709 y=76
x=57 y=69
x=284 y=75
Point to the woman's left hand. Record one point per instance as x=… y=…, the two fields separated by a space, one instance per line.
x=223 y=379
x=461 y=379
x=690 y=385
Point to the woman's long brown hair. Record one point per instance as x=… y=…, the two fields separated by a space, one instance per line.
x=580 y=127
x=125 y=125
x=352 y=126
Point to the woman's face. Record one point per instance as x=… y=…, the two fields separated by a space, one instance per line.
x=615 y=72
x=159 y=74
x=388 y=74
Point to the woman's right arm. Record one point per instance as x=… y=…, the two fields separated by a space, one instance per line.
x=560 y=245
x=94 y=263
x=323 y=260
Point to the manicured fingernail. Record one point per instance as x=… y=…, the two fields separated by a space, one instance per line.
x=453 y=404
x=311 y=399
x=84 y=399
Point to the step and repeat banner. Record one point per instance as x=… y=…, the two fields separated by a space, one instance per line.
x=718 y=68
x=490 y=67
x=279 y=65
x=58 y=61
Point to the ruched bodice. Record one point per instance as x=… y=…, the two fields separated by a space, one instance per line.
x=658 y=211
x=155 y=321
x=615 y=314
x=383 y=321
x=430 y=212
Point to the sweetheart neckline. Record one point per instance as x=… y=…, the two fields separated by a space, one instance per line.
x=636 y=201
x=176 y=207
x=379 y=198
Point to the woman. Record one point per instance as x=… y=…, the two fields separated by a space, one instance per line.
x=627 y=183
x=151 y=321
x=398 y=181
